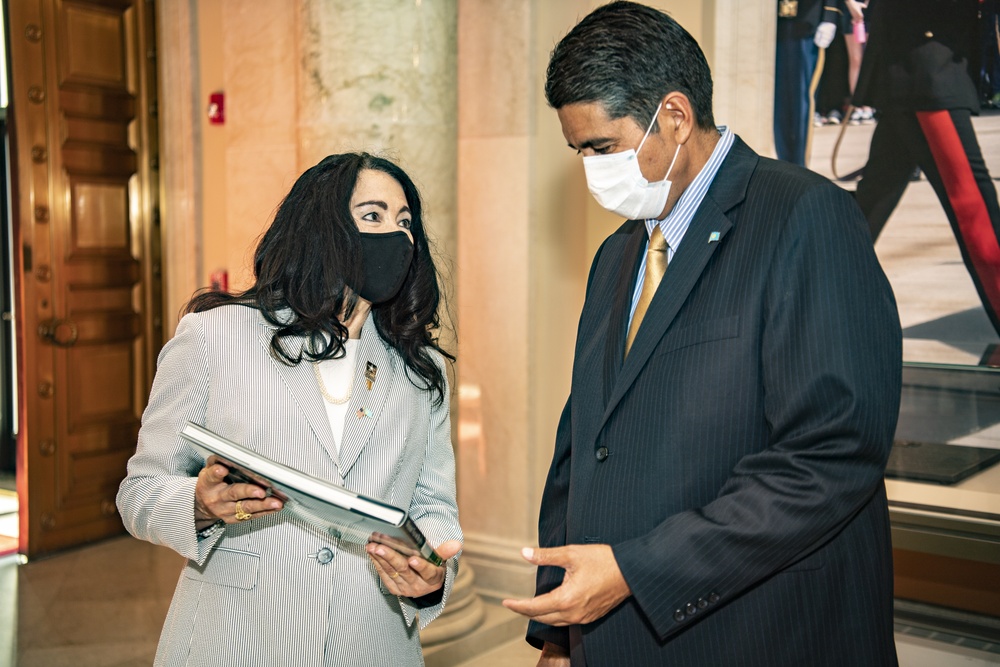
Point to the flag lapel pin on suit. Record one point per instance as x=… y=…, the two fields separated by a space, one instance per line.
x=713 y=237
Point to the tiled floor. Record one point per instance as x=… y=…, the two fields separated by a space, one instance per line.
x=96 y=606
x=912 y=651
x=103 y=605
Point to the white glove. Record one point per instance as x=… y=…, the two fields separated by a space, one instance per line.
x=824 y=34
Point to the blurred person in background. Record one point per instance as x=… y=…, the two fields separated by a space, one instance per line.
x=919 y=72
x=805 y=29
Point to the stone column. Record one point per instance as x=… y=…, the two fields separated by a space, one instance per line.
x=180 y=212
x=523 y=236
x=738 y=40
x=380 y=76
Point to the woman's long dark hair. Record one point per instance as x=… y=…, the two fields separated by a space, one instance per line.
x=309 y=255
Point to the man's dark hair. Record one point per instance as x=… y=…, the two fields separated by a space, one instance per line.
x=311 y=254
x=628 y=57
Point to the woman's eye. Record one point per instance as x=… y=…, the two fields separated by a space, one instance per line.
x=405 y=224
x=370 y=217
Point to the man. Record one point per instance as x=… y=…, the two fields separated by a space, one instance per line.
x=916 y=73
x=716 y=492
x=805 y=29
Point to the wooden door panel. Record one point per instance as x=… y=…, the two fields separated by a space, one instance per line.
x=86 y=158
x=101 y=369
x=99 y=389
x=110 y=274
x=90 y=335
x=91 y=329
x=107 y=133
x=82 y=105
x=99 y=219
x=95 y=49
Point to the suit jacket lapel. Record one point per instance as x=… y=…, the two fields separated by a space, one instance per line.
x=624 y=288
x=366 y=404
x=727 y=190
x=301 y=383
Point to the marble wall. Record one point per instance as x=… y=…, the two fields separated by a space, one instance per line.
x=380 y=76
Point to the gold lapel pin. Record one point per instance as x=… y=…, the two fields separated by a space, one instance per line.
x=370 y=371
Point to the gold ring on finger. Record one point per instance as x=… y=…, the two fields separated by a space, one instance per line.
x=394 y=575
x=242 y=515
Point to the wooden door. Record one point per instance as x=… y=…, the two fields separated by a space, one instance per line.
x=87 y=274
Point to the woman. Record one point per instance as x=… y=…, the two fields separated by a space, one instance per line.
x=326 y=364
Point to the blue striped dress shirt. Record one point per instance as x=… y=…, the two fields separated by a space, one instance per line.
x=676 y=224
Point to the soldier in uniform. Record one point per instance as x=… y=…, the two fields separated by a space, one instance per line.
x=804 y=28
x=917 y=72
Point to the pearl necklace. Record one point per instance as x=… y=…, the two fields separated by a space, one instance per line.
x=336 y=400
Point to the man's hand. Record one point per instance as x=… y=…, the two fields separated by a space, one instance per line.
x=592 y=586
x=824 y=34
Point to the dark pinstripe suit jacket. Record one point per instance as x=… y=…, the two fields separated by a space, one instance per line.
x=734 y=460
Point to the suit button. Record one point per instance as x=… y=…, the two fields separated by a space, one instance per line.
x=712 y=598
x=323 y=556
x=702 y=603
x=691 y=609
x=679 y=616
x=602 y=453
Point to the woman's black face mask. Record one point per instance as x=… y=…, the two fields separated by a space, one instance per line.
x=386 y=260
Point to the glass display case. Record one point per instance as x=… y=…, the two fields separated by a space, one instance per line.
x=943 y=483
x=943 y=477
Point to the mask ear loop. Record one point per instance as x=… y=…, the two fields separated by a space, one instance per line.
x=650 y=128
x=670 y=168
x=645 y=136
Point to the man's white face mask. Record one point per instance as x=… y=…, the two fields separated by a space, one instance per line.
x=618 y=185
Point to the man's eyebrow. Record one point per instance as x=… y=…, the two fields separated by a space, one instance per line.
x=592 y=143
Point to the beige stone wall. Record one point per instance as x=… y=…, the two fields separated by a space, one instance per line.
x=223 y=182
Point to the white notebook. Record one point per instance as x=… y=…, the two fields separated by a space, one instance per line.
x=321 y=503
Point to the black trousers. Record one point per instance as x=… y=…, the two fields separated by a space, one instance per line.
x=943 y=144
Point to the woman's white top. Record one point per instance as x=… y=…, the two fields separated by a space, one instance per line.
x=338 y=379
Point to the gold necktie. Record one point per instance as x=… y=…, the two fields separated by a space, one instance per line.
x=656 y=266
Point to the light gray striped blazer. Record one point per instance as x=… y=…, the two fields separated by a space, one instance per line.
x=260 y=593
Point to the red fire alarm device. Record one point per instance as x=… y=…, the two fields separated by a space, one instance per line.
x=219 y=280
x=217 y=108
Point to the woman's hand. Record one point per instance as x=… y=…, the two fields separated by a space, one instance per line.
x=856 y=9
x=410 y=577
x=216 y=499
